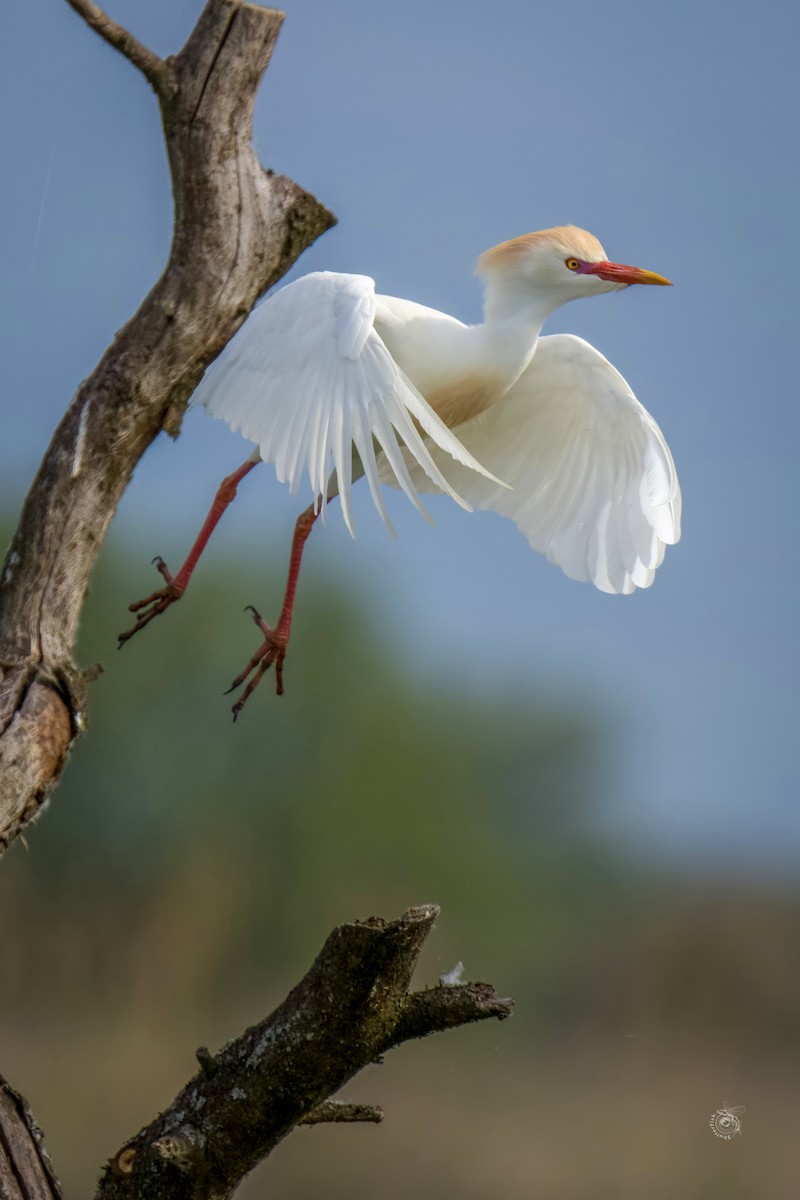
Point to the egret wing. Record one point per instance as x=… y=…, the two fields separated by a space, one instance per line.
x=310 y=381
x=594 y=484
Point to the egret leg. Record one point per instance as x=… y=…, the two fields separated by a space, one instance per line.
x=160 y=600
x=275 y=640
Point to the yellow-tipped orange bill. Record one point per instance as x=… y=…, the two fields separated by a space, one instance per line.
x=619 y=273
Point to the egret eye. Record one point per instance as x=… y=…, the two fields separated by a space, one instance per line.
x=572 y=263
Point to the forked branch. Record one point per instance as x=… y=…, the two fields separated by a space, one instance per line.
x=352 y=1006
x=237 y=230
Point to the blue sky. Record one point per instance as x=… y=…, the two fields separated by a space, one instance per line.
x=434 y=131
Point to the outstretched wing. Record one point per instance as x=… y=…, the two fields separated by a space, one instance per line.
x=310 y=381
x=594 y=484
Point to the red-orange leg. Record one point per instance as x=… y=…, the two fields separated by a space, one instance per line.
x=159 y=601
x=275 y=640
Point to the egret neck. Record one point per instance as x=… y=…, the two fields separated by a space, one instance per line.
x=514 y=314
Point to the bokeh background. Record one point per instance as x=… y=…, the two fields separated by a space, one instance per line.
x=600 y=791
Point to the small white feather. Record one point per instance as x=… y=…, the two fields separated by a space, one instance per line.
x=454 y=977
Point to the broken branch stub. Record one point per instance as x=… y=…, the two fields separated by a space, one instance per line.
x=352 y=1006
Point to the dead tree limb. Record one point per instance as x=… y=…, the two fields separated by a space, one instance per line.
x=352 y=1006
x=151 y=66
x=237 y=230
x=25 y=1169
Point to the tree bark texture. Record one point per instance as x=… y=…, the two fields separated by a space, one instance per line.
x=352 y=1006
x=237 y=230
x=25 y=1170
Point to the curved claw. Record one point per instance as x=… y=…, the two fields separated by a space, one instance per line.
x=163 y=569
x=269 y=654
x=154 y=604
x=272 y=651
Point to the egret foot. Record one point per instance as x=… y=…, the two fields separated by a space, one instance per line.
x=273 y=651
x=154 y=604
x=158 y=602
x=277 y=639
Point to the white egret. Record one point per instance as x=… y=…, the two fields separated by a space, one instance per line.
x=330 y=379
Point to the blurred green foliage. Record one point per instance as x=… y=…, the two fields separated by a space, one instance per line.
x=189 y=869
x=367 y=787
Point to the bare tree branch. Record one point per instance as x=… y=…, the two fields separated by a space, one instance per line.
x=447 y=1007
x=338 y=1111
x=351 y=1007
x=25 y=1170
x=237 y=229
x=151 y=66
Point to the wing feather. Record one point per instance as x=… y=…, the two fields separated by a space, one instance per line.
x=593 y=482
x=308 y=378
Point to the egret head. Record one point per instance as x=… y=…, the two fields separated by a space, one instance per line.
x=561 y=264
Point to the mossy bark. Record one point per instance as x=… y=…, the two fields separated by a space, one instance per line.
x=352 y=1006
